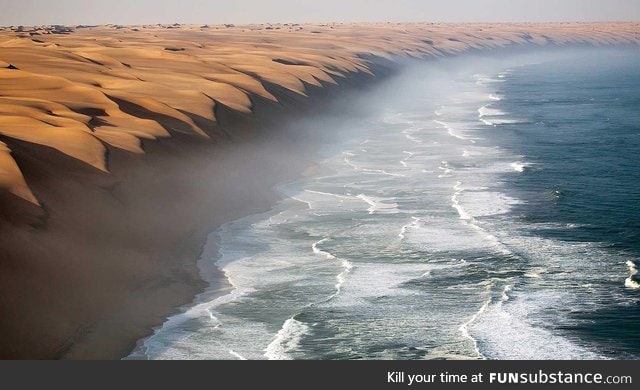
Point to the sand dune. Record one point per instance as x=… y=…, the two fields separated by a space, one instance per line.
x=108 y=180
x=56 y=84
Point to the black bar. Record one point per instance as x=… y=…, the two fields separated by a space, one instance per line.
x=317 y=375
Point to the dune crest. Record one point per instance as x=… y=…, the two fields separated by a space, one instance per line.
x=64 y=87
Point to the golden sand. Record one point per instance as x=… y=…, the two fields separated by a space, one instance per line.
x=63 y=87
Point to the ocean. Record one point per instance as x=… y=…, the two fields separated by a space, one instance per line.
x=474 y=207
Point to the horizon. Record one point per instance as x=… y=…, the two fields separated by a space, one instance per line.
x=123 y=12
x=558 y=22
x=242 y=25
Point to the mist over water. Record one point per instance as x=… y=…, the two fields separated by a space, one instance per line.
x=470 y=208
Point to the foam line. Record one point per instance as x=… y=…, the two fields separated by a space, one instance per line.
x=287 y=339
x=631 y=282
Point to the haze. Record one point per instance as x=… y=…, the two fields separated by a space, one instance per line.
x=70 y=12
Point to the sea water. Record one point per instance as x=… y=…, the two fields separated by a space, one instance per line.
x=476 y=209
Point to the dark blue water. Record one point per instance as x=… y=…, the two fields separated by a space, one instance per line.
x=583 y=138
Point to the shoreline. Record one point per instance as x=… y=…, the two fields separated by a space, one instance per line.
x=266 y=195
x=215 y=283
x=210 y=265
x=208 y=262
x=232 y=310
x=131 y=240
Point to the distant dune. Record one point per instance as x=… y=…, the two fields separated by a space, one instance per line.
x=108 y=182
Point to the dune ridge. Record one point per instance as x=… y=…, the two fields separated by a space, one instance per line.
x=59 y=87
x=122 y=147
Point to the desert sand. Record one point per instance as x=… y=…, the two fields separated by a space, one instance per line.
x=121 y=147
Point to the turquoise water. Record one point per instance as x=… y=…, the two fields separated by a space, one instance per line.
x=470 y=208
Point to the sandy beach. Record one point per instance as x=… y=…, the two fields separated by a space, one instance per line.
x=123 y=147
